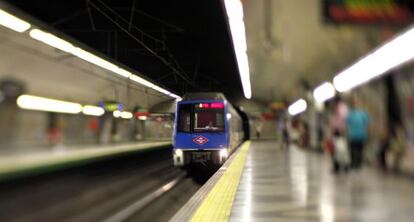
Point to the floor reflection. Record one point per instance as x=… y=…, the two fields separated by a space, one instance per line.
x=297 y=185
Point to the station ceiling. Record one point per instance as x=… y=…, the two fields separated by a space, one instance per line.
x=183 y=45
x=292 y=48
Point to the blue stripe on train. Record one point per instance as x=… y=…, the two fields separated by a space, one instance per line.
x=201 y=140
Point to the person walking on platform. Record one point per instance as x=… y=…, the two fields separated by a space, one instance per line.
x=259 y=129
x=383 y=151
x=398 y=145
x=337 y=132
x=341 y=152
x=357 y=131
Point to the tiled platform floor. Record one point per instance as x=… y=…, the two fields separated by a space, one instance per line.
x=294 y=185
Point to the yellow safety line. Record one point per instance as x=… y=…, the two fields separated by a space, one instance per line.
x=217 y=206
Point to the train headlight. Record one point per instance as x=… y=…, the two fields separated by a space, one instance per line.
x=223 y=153
x=178 y=152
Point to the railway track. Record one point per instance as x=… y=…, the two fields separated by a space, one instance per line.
x=137 y=187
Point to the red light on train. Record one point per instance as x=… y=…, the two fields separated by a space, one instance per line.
x=217 y=105
x=203 y=105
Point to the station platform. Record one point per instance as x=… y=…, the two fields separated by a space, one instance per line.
x=15 y=165
x=262 y=182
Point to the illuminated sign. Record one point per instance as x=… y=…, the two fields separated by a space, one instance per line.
x=141 y=113
x=111 y=106
x=368 y=11
x=216 y=105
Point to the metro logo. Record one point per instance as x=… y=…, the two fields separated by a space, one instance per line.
x=200 y=140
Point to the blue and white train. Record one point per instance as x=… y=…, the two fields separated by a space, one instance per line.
x=207 y=129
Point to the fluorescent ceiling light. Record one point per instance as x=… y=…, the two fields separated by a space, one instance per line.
x=89 y=57
x=116 y=113
x=161 y=90
x=152 y=86
x=175 y=96
x=234 y=10
x=126 y=115
x=141 y=81
x=324 y=92
x=297 y=107
x=51 y=40
x=13 y=22
x=46 y=104
x=93 y=110
x=122 y=72
x=65 y=46
x=142 y=117
x=123 y=114
x=388 y=56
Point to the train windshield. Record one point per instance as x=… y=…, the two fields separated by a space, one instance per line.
x=201 y=117
x=184 y=118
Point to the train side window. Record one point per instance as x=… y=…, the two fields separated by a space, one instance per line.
x=184 y=118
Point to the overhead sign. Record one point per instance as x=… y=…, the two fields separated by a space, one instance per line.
x=392 y=12
x=277 y=105
x=111 y=106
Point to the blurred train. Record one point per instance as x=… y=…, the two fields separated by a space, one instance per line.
x=207 y=130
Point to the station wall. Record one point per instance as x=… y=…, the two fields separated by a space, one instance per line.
x=24 y=130
x=40 y=70
x=373 y=97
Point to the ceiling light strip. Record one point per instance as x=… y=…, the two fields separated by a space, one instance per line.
x=297 y=107
x=324 y=92
x=122 y=114
x=12 y=22
x=234 y=9
x=38 y=103
x=50 y=105
x=93 y=110
x=65 y=46
x=388 y=56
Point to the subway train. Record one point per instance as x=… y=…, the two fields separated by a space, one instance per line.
x=207 y=130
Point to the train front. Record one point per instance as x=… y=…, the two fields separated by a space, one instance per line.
x=201 y=133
